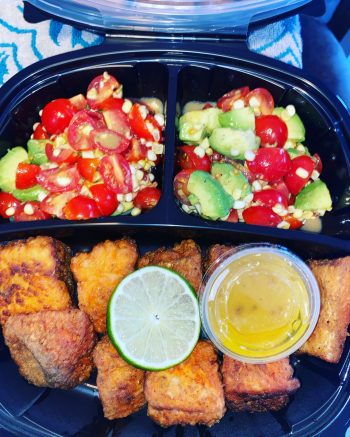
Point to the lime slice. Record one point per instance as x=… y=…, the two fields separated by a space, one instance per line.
x=153 y=318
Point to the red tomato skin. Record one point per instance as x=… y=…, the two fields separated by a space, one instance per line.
x=87 y=167
x=265 y=98
x=281 y=187
x=139 y=125
x=271 y=130
x=136 y=151
x=105 y=198
x=53 y=204
x=21 y=216
x=318 y=163
x=77 y=138
x=7 y=201
x=294 y=182
x=100 y=89
x=40 y=133
x=57 y=115
x=180 y=186
x=270 y=197
x=227 y=100
x=233 y=216
x=26 y=175
x=49 y=179
x=270 y=164
x=116 y=173
x=68 y=156
x=147 y=198
x=81 y=208
x=115 y=118
x=262 y=216
x=294 y=223
x=188 y=159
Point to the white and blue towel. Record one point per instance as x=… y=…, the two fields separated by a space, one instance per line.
x=22 y=43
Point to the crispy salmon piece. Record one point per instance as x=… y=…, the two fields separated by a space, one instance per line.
x=185 y=258
x=52 y=348
x=257 y=387
x=34 y=276
x=120 y=386
x=214 y=252
x=188 y=394
x=327 y=340
x=98 y=273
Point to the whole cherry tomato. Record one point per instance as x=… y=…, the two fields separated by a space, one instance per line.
x=299 y=173
x=227 y=100
x=180 y=186
x=26 y=175
x=261 y=215
x=81 y=208
x=270 y=164
x=61 y=154
x=271 y=130
x=30 y=211
x=40 y=133
x=57 y=115
x=262 y=99
x=147 y=198
x=270 y=197
x=116 y=173
x=100 y=89
x=189 y=159
x=87 y=167
x=105 y=198
x=8 y=205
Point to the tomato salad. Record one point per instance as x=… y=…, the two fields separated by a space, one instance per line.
x=243 y=159
x=89 y=156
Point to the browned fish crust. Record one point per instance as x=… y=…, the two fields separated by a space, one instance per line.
x=120 y=385
x=52 y=348
x=185 y=258
x=258 y=387
x=188 y=394
x=214 y=252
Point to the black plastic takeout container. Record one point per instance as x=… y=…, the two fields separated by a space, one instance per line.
x=177 y=72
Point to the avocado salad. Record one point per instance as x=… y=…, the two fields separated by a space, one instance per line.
x=243 y=159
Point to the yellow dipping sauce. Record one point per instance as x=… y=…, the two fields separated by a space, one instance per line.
x=258 y=306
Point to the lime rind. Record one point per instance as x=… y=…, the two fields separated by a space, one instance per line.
x=134 y=334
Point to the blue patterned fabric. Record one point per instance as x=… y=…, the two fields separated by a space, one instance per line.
x=22 y=43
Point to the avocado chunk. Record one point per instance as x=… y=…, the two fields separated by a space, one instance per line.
x=8 y=167
x=233 y=180
x=313 y=197
x=194 y=126
x=232 y=142
x=29 y=194
x=243 y=119
x=296 y=128
x=214 y=202
x=36 y=151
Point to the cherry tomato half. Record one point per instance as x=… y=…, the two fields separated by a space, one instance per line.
x=115 y=117
x=180 y=186
x=54 y=204
x=281 y=187
x=105 y=198
x=109 y=141
x=30 y=211
x=136 y=151
x=143 y=124
x=263 y=98
x=147 y=198
x=261 y=215
x=57 y=115
x=26 y=175
x=60 y=179
x=100 y=89
x=8 y=205
x=270 y=164
x=271 y=130
x=299 y=173
x=116 y=173
x=233 y=216
x=189 y=159
x=294 y=223
x=80 y=127
x=40 y=133
x=227 y=100
x=60 y=154
x=81 y=208
x=87 y=167
x=270 y=197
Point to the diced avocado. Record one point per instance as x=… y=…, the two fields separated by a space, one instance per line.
x=314 y=197
x=29 y=194
x=8 y=168
x=232 y=179
x=36 y=151
x=296 y=128
x=233 y=143
x=213 y=199
x=242 y=118
x=194 y=126
x=293 y=153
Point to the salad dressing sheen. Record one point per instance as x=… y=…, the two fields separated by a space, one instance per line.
x=259 y=305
